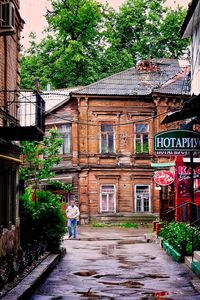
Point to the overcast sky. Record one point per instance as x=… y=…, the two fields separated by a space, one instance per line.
x=33 y=11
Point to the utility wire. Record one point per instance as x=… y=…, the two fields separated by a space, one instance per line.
x=114 y=124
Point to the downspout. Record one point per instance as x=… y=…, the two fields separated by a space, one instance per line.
x=5 y=78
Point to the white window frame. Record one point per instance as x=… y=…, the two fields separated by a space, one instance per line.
x=135 y=198
x=100 y=140
x=69 y=125
x=104 y=211
x=135 y=133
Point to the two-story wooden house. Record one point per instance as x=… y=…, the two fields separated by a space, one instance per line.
x=112 y=124
x=19 y=120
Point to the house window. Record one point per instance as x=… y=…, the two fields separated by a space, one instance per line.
x=65 y=132
x=141 y=138
x=107 y=138
x=142 y=198
x=108 y=198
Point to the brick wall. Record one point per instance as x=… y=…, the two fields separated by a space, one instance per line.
x=124 y=169
x=9 y=53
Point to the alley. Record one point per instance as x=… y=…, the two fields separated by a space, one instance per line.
x=111 y=263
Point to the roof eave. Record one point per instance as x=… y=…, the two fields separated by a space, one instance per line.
x=189 y=22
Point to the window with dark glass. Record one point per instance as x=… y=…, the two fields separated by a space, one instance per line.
x=65 y=132
x=107 y=138
x=141 y=138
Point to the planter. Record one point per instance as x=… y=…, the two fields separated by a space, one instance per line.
x=196 y=267
x=165 y=245
x=176 y=256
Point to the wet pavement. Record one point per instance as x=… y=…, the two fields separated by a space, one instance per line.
x=110 y=263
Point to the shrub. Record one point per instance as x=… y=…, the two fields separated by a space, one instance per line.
x=42 y=219
x=180 y=235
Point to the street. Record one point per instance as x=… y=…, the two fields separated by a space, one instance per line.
x=112 y=263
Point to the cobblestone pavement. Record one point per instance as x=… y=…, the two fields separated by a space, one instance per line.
x=110 y=263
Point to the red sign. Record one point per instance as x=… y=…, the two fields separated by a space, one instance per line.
x=164 y=177
x=184 y=180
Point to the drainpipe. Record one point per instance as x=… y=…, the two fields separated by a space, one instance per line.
x=5 y=77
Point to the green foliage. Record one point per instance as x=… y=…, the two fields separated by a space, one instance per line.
x=99 y=225
x=121 y=225
x=128 y=225
x=40 y=157
x=86 y=41
x=61 y=185
x=178 y=234
x=42 y=220
x=148 y=29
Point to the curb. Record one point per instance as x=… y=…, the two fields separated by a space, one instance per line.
x=31 y=282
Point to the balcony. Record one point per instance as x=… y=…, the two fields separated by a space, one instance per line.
x=21 y=115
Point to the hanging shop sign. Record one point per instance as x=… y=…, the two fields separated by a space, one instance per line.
x=164 y=177
x=176 y=142
x=184 y=181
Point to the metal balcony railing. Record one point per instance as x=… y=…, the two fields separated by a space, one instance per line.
x=24 y=110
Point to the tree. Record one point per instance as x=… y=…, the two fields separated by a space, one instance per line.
x=87 y=41
x=149 y=30
x=70 y=53
x=40 y=158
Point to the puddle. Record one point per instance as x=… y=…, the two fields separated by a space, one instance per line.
x=107 y=250
x=86 y=273
x=161 y=295
x=155 y=276
x=105 y=275
x=128 y=284
x=124 y=261
x=93 y=295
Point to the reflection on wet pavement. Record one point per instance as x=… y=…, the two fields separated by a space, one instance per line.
x=127 y=268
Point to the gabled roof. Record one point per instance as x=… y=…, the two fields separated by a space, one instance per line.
x=56 y=98
x=136 y=81
x=191 y=19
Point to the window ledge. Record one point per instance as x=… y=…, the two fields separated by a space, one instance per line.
x=107 y=155
x=142 y=155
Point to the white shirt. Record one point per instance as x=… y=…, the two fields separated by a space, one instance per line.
x=72 y=212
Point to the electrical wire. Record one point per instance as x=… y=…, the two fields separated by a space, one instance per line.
x=114 y=124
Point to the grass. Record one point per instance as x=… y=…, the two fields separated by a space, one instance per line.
x=121 y=225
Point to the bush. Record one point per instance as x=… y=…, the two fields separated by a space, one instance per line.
x=180 y=235
x=42 y=219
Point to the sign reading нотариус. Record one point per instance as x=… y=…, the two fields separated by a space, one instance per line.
x=176 y=142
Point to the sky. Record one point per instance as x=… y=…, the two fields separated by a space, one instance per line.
x=33 y=11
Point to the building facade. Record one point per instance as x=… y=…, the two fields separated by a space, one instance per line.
x=191 y=28
x=112 y=124
x=10 y=27
x=13 y=125
x=62 y=115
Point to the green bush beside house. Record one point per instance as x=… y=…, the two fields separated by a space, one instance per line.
x=182 y=237
x=42 y=219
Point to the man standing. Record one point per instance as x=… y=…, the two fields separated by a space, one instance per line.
x=72 y=213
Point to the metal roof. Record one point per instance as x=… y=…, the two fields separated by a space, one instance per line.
x=138 y=82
